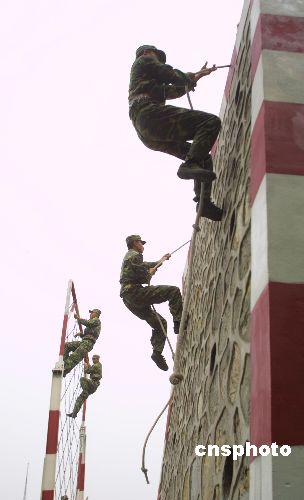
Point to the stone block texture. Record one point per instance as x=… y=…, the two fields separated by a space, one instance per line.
x=211 y=405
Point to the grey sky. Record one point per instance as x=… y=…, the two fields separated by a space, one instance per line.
x=75 y=181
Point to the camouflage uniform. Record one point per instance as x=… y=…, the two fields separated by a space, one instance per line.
x=81 y=348
x=168 y=128
x=138 y=299
x=89 y=386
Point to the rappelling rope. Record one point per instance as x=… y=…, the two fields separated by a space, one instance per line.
x=176 y=376
x=143 y=468
x=157 y=315
x=164 y=331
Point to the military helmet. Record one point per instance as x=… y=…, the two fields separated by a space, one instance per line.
x=98 y=311
x=95 y=356
x=133 y=237
x=161 y=54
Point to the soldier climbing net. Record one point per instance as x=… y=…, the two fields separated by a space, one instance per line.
x=64 y=463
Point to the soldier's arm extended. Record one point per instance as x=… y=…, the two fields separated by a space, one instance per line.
x=166 y=74
x=151 y=264
x=89 y=322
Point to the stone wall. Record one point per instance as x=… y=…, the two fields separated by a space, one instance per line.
x=211 y=405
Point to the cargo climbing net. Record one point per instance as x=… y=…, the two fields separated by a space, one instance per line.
x=63 y=473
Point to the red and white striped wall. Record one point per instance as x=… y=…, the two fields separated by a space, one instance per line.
x=49 y=466
x=277 y=240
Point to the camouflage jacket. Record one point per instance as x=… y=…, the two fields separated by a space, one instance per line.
x=92 y=328
x=160 y=81
x=134 y=271
x=95 y=371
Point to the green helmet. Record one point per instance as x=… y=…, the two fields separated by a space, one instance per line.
x=98 y=311
x=161 y=54
x=133 y=237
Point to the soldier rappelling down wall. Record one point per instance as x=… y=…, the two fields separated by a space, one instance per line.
x=139 y=299
x=169 y=128
x=89 y=386
x=78 y=348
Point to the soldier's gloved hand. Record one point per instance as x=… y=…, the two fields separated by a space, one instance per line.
x=76 y=316
x=204 y=71
x=77 y=335
x=152 y=270
x=165 y=257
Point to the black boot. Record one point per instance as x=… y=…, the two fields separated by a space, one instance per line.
x=176 y=325
x=72 y=415
x=211 y=211
x=159 y=360
x=192 y=170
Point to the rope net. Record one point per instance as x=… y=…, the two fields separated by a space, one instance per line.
x=69 y=428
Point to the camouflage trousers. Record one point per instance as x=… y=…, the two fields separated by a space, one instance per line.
x=169 y=128
x=138 y=300
x=88 y=387
x=79 y=350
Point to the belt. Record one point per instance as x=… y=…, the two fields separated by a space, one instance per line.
x=139 y=98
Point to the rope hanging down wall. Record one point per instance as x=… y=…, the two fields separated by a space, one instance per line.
x=177 y=376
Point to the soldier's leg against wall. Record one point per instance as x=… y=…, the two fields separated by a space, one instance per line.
x=208 y=165
x=75 y=358
x=146 y=313
x=70 y=347
x=173 y=124
x=178 y=149
x=161 y=293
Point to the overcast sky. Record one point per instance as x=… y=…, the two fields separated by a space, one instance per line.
x=75 y=182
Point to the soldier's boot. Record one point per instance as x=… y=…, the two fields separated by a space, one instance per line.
x=193 y=170
x=176 y=325
x=159 y=360
x=210 y=210
x=72 y=415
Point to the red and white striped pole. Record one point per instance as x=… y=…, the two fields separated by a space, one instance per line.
x=82 y=432
x=81 y=463
x=49 y=466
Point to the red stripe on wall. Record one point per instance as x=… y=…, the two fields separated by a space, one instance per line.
x=277 y=33
x=52 y=437
x=287 y=362
x=277 y=364
x=260 y=399
x=277 y=142
x=47 y=495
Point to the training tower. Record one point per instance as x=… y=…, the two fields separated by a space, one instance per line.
x=243 y=351
x=64 y=463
